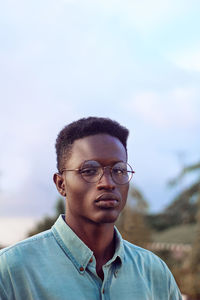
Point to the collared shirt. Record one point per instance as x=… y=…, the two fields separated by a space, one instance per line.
x=57 y=265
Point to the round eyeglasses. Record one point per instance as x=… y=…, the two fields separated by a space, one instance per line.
x=92 y=171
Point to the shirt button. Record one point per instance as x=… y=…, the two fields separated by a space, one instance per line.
x=81 y=269
x=91 y=260
x=103 y=291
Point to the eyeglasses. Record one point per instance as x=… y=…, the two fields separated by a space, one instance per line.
x=92 y=171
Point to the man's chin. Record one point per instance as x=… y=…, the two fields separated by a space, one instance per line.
x=107 y=218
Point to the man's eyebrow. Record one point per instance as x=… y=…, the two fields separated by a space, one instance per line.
x=108 y=163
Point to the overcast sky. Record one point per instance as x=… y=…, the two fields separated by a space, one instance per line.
x=134 y=61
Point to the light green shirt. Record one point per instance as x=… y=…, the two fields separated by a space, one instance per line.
x=57 y=265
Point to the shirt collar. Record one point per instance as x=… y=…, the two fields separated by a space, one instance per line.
x=76 y=249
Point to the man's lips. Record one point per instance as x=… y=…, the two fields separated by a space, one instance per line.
x=107 y=200
x=107 y=196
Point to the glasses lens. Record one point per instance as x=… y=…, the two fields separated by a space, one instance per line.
x=121 y=173
x=91 y=171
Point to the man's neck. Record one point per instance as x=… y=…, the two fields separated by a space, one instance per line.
x=99 y=238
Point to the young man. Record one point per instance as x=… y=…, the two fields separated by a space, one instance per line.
x=83 y=256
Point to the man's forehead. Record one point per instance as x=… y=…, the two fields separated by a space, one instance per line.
x=101 y=139
x=97 y=147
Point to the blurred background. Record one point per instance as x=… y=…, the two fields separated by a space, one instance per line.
x=137 y=62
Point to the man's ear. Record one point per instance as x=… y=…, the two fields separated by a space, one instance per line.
x=60 y=183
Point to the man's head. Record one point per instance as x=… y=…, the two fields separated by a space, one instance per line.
x=83 y=128
x=91 y=198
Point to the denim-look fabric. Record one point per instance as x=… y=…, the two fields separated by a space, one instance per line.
x=57 y=265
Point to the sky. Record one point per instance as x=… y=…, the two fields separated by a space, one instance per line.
x=137 y=62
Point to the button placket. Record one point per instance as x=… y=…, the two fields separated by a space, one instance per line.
x=105 y=284
x=115 y=273
x=82 y=269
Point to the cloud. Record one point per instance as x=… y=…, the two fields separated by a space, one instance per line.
x=188 y=59
x=68 y=58
x=15 y=229
x=27 y=160
x=176 y=108
x=145 y=16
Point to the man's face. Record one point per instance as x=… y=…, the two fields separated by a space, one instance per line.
x=83 y=202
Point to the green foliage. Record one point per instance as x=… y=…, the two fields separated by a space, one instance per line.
x=60 y=207
x=180 y=223
x=183 y=234
x=183 y=208
x=185 y=171
x=48 y=222
x=194 y=261
x=174 y=217
x=158 y=222
x=188 y=275
x=185 y=204
x=186 y=201
x=131 y=223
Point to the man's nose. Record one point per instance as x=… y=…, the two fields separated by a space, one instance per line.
x=106 y=181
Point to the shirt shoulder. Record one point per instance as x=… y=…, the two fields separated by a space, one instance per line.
x=151 y=270
x=144 y=258
x=150 y=266
x=136 y=251
x=21 y=251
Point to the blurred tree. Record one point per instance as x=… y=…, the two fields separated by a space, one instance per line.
x=192 y=277
x=187 y=203
x=183 y=208
x=60 y=207
x=48 y=222
x=131 y=223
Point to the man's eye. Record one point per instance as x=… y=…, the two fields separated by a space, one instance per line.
x=89 y=171
x=119 y=171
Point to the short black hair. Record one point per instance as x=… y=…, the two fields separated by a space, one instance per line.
x=85 y=127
